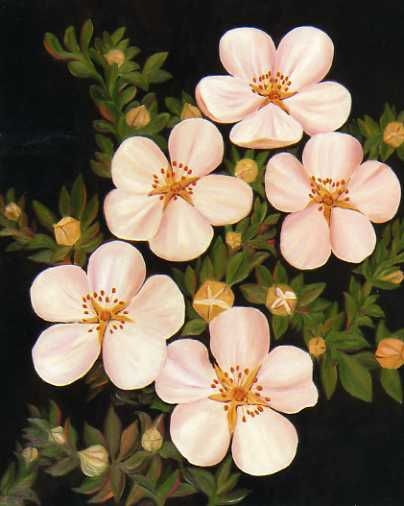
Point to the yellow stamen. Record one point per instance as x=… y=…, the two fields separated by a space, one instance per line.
x=174 y=182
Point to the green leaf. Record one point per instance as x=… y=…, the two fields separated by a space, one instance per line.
x=90 y=212
x=391 y=382
x=190 y=280
x=219 y=258
x=183 y=490
x=118 y=35
x=40 y=241
x=86 y=35
x=112 y=430
x=328 y=375
x=62 y=467
x=64 y=202
x=355 y=378
x=78 y=197
x=280 y=274
x=42 y=257
x=351 y=307
x=223 y=472
x=167 y=486
x=234 y=497
x=90 y=485
x=136 y=494
x=237 y=268
x=263 y=276
x=45 y=216
x=136 y=460
x=117 y=482
x=138 y=80
x=375 y=311
x=159 y=76
x=202 y=479
x=80 y=70
x=387 y=116
x=93 y=436
x=169 y=451
x=173 y=105
x=53 y=46
x=367 y=359
x=255 y=294
x=194 y=327
x=309 y=293
x=154 y=62
x=347 y=341
x=279 y=325
x=55 y=414
x=70 y=40
x=128 y=439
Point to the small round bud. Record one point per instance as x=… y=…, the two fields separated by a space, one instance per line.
x=57 y=435
x=67 y=231
x=395 y=277
x=12 y=211
x=29 y=454
x=212 y=298
x=138 y=117
x=152 y=440
x=190 y=111
x=317 y=346
x=233 y=240
x=281 y=300
x=393 y=134
x=115 y=56
x=390 y=353
x=93 y=460
x=247 y=170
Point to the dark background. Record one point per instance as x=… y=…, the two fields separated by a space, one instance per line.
x=350 y=453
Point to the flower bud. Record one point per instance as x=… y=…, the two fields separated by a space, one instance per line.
x=152 y=439
x=247 y=170
x=394 y=277
x=390 y=353
x=67 y=231
x=115 y=56
x=29 y=454
x=57 y=435
x=393 y=134
x=281 y=300
x=212 y=298
x=190 y=111
x=93 y=460
x=317 y=346
x=233 y=240
x=12 y=211
x=138 y=117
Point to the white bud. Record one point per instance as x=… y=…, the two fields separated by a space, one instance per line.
x=93 y=460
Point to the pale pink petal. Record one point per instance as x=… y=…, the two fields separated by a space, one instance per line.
x=135 y=162
x=116 y=265
x=286 y=376
x=305 y=56
x=226 y=99
x=187 y=374
x=56 y=293
x=332 y=155
x=223 y=200
x=305 y=238
x=132 y=357
x=353 y=237
x=321 y=107
x=247 y=52
x=239 y=336
x=197 y=144
x=286 y=183
x=159 y=307
x=64 y=353
x=184 y=233
x=200 y=432
x=133 y=216
x=375 y=190
x=268 y=128
x=264 y=444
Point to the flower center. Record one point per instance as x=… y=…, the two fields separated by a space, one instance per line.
x=106 y=310
x=273 y=87
x=173 y=182
x=239 y=389
x=329 y=193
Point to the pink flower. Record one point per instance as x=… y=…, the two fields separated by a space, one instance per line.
x=106 y=309
x=275 y=94
x=173 y=205
x=236 y=398
x=333 y=198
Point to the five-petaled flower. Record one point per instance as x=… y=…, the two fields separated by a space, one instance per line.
x=173 y=205
x=274 y=94
x=106 y=309
x=332 y=197
x=236 y=397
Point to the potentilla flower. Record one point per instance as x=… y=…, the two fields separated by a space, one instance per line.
x=274 y=94
x=105 y=310
x=333 y=197
x=173 y=205
x=236 y=397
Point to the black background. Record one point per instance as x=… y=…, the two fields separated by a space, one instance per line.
x=350 y=453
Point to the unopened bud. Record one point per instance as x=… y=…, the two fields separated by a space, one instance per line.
x=394 y=277
x=138 y=117
x=190 y=111
x=93 y=460
x=281 y=300
x=390 y=353
x=57 y=435
x=212 y=298
x=233 y=240
x=115 y=56
x=12 y=211
x=152 y=439
x=393 y=134
x=247 y=170
x=29 y=454
x=317 y=346
x=67 y=231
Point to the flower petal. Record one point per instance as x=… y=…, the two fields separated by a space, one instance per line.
x=132 y=357
x=187 y=373
x=116 y=265
x=184 y=233
x=200 y=432
x=332 y=155
x=353 y=237
x=286 y=183
x=375 y=190
x=286 y=376
x=64 y=353
x=197 y=144
x=264 y=444
x=159 y=307
x=268 y=128
x=133 y=216
x=135 y=162
x=305 y=238
x=56 y=293
x=322 y=107
x=305 y=56
x=223 y=200
x=239 y=336
x=247 y=52
x=226 y=99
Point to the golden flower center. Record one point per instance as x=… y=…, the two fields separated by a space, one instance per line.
x=273 y=87
x=329 y=193
x=173 y=182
